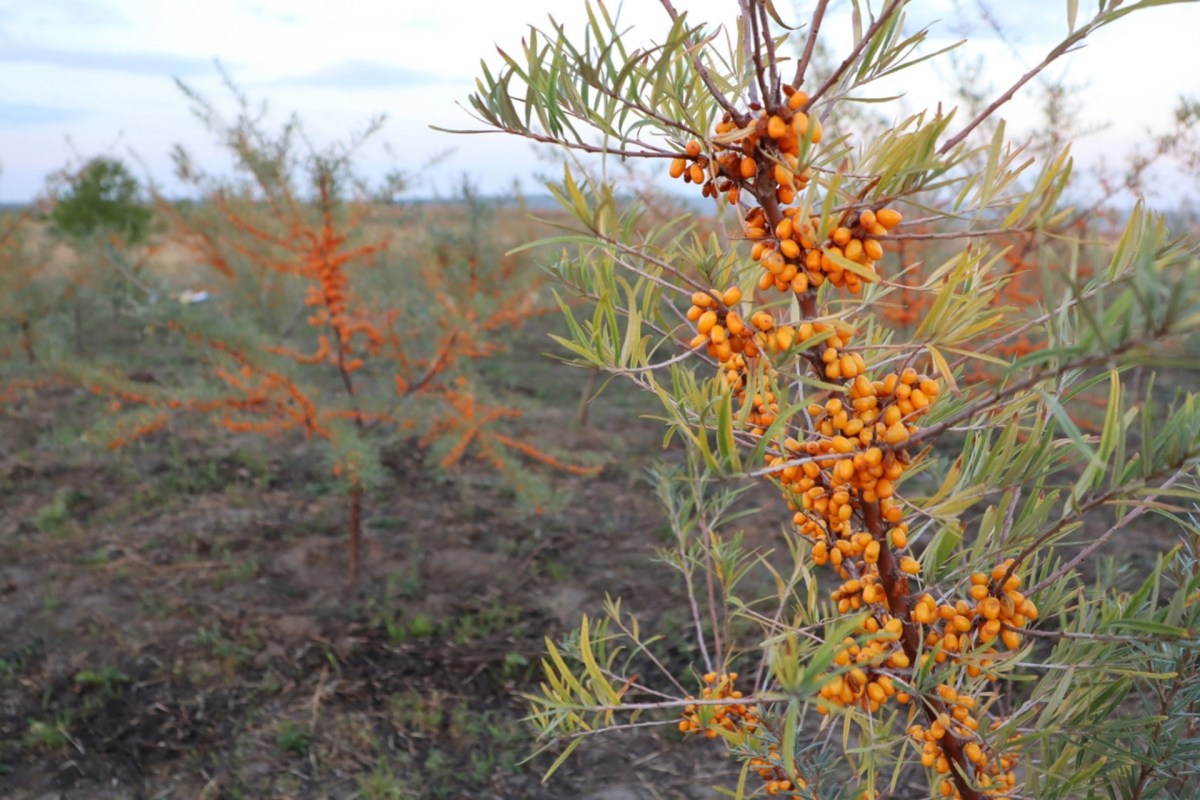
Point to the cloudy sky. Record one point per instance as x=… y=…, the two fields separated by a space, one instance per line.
x=84 y=77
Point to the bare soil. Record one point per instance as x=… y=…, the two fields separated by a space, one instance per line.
x=175 y=620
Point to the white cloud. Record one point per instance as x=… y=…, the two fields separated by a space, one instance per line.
x=106 y=70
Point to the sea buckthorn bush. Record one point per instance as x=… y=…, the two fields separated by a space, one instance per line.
x=317 y=324
x=935 y=617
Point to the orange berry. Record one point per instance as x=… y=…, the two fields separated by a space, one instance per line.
x=678 y=165
x=989 y=608
x=888 y=218
x=871 y=553
x=762 y=320
x=854 y=250
x=693 y=148
x=896 y=433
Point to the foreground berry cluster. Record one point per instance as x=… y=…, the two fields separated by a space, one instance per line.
x=838 y=462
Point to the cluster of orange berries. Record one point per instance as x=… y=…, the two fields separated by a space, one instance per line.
x=761 y=152
x=997 y=610
x=993 y=775
x=740 y=160
x=768 y=767
x=857 y=452
x=738 y=718
x=862 y=683
x=712 y=719
x=794 y=259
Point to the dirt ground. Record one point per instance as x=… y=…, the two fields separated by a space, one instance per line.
x=175 y=621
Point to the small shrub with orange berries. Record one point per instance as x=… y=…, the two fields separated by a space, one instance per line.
x=319 y=325
x=937 y=607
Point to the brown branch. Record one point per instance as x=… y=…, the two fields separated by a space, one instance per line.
x=964 y=234
x=587 y=148
x=884 y=16
x=1086 y=637
x=435 y=366
x=1102 y=538
x=1061 y=49
x=897 y=589
x=1082 y=510
x=717 y=629
x=756 y=38
x=772 y=60
x=810 y=43
x=997 y=395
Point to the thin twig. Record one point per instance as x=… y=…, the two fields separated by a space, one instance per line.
x=884 y=16
x=702 y=519
x=646 y=651
x=1086 y=637
x=810 y=44
x=1080 y=511
x=651 y=367
x=772 y=59
x=1061 y=49
x=756 y=52
x=1104 y=537
x=587 y=148
x=997 y=396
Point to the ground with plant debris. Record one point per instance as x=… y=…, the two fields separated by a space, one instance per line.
x=175 y=620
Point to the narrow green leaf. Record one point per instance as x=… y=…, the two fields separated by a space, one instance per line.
x=558 y=762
